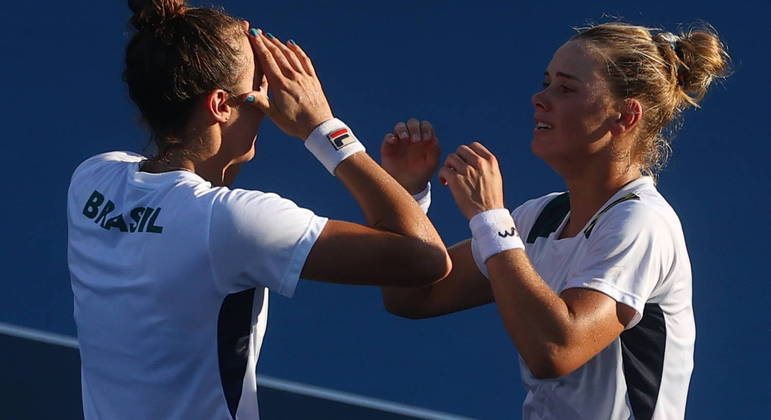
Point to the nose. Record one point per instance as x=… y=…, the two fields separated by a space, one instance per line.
x=539 y=101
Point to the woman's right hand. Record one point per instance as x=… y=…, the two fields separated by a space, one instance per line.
x=297 y=103
x=410 y=154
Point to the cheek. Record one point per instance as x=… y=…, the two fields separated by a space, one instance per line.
x=244 y=130
x=249 y=119
x=575 y=129
x=586 y=122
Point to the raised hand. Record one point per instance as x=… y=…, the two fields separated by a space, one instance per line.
x=410 y=154
x=474 y=178
x=296 y=103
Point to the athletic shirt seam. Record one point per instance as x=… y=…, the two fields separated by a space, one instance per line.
x=298 y=249
x=215 y=276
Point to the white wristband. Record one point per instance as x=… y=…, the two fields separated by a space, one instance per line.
x=424 y=198
x=494 y=231
x=332 y=142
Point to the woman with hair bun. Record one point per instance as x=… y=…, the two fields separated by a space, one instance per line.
x=170 y=267
x=596 y=292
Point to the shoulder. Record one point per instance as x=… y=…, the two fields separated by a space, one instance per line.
x=94 y=163
x=645 y=223
x=112 y=157
x=237 y=199
x=240 y=206
x=641 y=211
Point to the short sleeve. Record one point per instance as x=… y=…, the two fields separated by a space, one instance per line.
x=625 y=256
x=260 y=239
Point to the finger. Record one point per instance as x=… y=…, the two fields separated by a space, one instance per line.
x=303 y=58
x=414 y=128
x=392 y=146
x=481 y=150
x=279 y=57
x=400 y=129
x=265 y=57
x=426 y=130
x=457 y=164
x=448 y=176
x=469 y=156
x=258 y=99
x=263 y=87
x=444 y=172
x=291 y=58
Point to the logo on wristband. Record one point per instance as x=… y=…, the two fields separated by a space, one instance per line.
x=341 y=138
x=507 y=233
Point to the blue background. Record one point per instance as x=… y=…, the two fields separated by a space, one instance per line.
x=470 y=68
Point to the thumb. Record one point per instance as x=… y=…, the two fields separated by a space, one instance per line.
x=259 y=97
x=259 y=100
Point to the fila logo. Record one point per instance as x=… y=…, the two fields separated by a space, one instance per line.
x=506 y=233
x=341 y=138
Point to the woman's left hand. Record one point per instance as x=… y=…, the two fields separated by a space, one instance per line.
x=474 y=178
x=410 y=154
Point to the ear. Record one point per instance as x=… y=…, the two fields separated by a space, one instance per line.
x=217 y=104
x=629 y=116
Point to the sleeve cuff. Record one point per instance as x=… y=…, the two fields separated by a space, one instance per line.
x=621 y=296
x=292 y=275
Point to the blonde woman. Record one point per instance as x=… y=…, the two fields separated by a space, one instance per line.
x=593 y=284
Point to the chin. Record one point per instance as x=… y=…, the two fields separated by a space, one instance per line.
x=539 y=148
x=548 y=152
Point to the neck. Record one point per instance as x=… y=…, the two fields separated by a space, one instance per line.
x=591 y=189
x=212 y=170
x=205 y=156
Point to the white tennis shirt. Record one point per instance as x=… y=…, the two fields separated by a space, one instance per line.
x=632 y=250
x=170 y=279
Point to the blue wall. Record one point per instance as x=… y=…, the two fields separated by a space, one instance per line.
x=469 y=67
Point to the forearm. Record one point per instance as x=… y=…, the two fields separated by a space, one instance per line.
x=538 y=320
x=387 y=207
x=408 y=302
x=465 y=287
x=397 y=248
x=385 y=204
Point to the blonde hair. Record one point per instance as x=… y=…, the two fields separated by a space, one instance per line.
x=667 y=73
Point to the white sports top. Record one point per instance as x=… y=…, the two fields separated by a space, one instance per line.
x=170 y=278
x=632 y=250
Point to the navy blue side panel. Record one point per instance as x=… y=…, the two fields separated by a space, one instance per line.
x=550 y=218
x=642 y=351
x=233 y=330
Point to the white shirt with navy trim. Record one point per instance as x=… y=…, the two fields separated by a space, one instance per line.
x=635 y=253
x=170 y=278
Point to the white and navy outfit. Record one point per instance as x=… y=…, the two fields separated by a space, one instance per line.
x=632 y=250
x=170 y=278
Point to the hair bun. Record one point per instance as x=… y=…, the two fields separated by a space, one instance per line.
x=149 y=13
x=704 y=58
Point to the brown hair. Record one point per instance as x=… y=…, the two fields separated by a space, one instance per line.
x=667 y=73
x=177 y=55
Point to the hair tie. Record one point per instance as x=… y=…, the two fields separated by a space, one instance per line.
x=673 y=41
x=676 y=46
